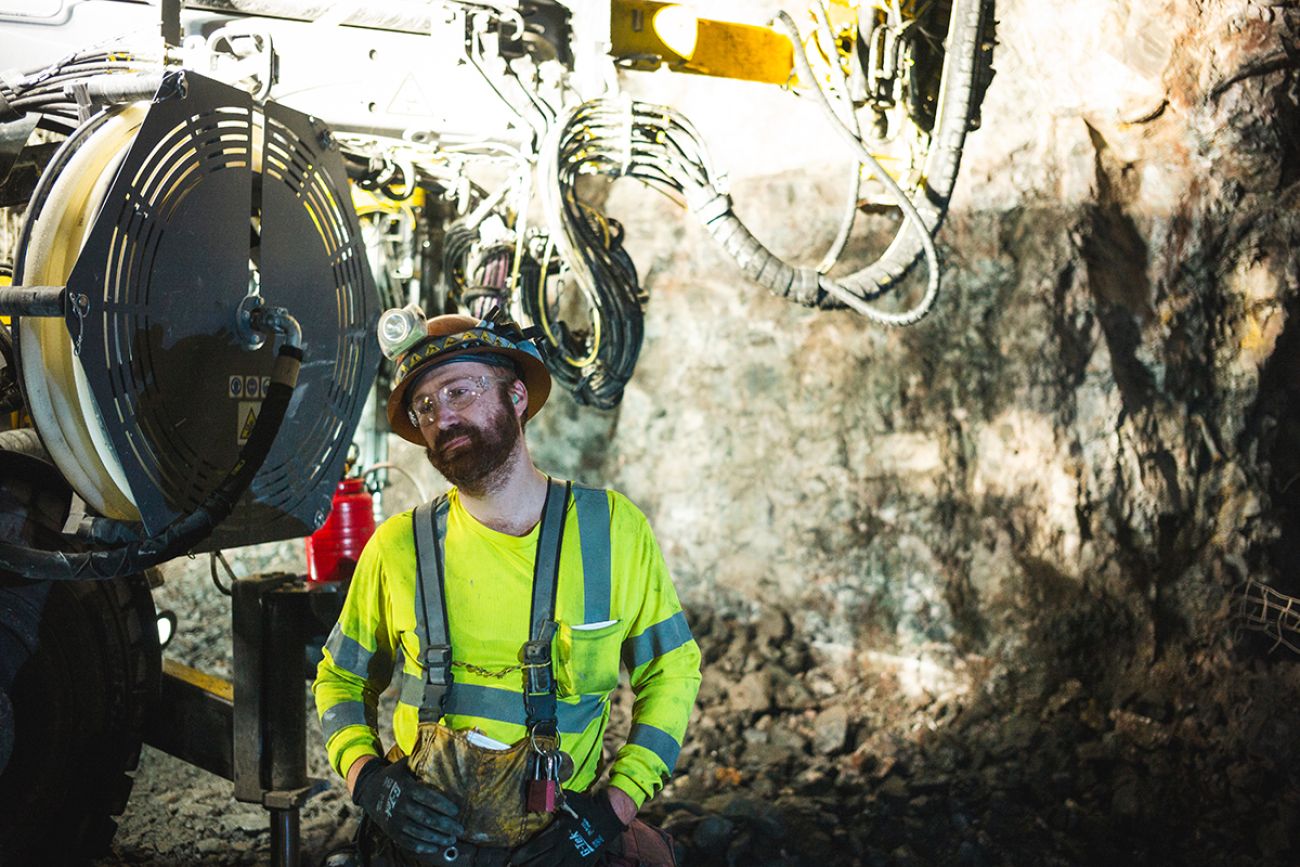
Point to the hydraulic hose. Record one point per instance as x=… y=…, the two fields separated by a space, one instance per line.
x=594 y=367
x=187 y=531
x=805 y=285
x=115 y=89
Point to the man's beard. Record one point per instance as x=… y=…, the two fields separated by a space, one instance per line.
x=480 y=465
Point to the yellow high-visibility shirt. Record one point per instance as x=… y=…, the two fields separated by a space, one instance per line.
x=636 y=619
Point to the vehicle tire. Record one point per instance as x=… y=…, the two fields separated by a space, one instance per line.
x=23 y=441
x=80 y=700
x=79 y=707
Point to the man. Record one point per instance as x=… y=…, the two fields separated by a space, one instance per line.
x=508 y=605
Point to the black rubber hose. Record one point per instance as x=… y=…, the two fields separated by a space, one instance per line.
x=185 y=532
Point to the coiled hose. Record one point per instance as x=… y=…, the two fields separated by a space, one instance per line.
x=806 y=285
x=187 y=531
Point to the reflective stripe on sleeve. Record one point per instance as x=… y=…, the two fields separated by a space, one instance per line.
x=412 y=691
x=657 y=741
x=348 y=654
x=664 y=636
x=348 y=713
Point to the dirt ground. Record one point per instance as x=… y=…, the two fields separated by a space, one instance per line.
x=804 y=754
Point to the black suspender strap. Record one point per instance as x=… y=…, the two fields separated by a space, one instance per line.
x=430 y=521
x=431 y=626
x=539 y=673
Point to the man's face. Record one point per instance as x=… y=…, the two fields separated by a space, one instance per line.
x=469 y=446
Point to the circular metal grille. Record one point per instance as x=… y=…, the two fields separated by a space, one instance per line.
x=216 y=200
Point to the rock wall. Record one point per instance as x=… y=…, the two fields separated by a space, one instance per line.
x=1094 y=418
x=1017 y=537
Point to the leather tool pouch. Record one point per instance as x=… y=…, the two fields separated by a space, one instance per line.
x=488 y=784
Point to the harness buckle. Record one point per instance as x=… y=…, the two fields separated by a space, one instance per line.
x=538 y=678
x=538 y=650
x=437 y=664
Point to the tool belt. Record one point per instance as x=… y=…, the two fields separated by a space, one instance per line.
x=642 y=845
x=378 y=850
x=489 y=784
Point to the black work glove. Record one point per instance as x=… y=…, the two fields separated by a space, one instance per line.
x=414 y=815
x=585 y=828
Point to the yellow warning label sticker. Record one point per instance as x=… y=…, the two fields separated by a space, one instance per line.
x=248 y=410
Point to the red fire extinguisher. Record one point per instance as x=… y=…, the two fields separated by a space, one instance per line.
x=332 y=551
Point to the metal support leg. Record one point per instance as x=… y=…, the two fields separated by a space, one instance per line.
x=254 y=731
x=286 y=842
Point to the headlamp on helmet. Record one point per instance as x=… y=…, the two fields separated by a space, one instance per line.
x=399 y=329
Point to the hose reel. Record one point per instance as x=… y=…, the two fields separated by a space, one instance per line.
x=172 y=224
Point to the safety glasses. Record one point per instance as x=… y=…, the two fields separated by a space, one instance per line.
x=458 y=394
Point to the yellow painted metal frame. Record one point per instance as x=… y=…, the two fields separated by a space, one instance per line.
x=15 y=419
x=721 y=48
x=208 y=683
x=647 y=35
x=368 y=202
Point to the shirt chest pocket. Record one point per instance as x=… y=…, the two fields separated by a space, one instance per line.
x=586 y=657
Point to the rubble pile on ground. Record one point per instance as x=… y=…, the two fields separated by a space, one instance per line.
x=790 y=762
x=803 y=755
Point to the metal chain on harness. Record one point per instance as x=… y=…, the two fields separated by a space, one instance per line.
x=485 y=672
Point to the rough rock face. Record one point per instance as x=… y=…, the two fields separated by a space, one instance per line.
x=1094 y=407
x=1012 y=543
x=1016 y=536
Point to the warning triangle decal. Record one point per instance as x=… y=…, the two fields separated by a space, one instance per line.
x=249 y=421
